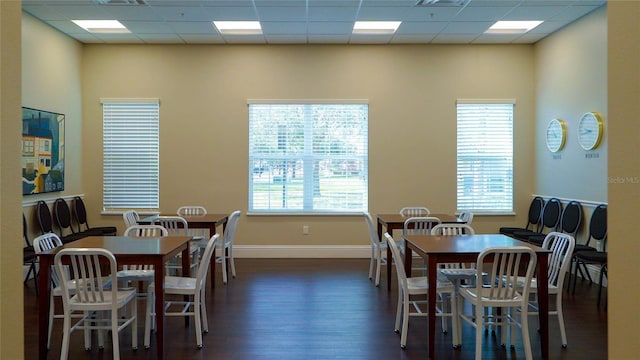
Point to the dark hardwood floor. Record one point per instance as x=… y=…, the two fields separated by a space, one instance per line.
x=323 y=309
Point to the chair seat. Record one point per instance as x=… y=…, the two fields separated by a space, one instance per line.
x=136 y=274
x=122 y=297
x=592 y=256
x=582 y=247
x=179 y=285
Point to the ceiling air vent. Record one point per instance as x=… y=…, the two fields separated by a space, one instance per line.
x=442 y=2
x=121 y=2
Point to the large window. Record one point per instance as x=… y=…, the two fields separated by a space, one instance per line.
x=485 y=156
x=130 y=154
x=308 y=157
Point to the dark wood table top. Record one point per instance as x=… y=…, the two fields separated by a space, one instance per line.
x=463 y=244
x=126 y=245
x=191 y=219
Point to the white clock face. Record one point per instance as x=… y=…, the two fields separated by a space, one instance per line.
x=556 y=135
x=590 y=131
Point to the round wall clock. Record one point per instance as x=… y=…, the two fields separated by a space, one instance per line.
x=556 y=135
x=590 y=129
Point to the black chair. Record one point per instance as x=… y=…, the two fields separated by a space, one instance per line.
x=533 y=220
x=43 y=214
x=549 y=221
x=80 y=213
x=584 y=254
x=29 y=256
x=569 y=223
x=63 y=221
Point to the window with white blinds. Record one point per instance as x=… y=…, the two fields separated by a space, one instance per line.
x=485 y=156
x=308 y=157
x=131 y=130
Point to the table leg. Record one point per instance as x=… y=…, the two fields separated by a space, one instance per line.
x=543 y=299
x=43 y=304
x=432 y=265
x=158 y=278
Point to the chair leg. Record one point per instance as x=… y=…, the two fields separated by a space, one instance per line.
x=563 y=333
x=114 y=334
x=405 y=320
x=224 y=265
x=197 y=320
x=479 y=329
x=134 y=323
x=526 y=340
x=378 y=266
x=51 y=313
x=147 y=318
x=232 y=262
x=371 y=264
x=64 y=352
x=603 y=271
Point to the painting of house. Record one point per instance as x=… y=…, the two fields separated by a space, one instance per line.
x=42 y=151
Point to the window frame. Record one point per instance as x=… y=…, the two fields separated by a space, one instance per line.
x=308 y=158
x=134 y=135
x=501 y=148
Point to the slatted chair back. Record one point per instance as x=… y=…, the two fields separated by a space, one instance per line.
x=419 y=225
x=561 y=246
x=192 y=210
x=452 y=229
x=146 y=231
x=130 y=218
x=176 y=225
x=415 y=211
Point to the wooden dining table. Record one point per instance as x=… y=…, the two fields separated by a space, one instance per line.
x=464 y=249
x=154 y=251
x=396 y=221
x=206 y=221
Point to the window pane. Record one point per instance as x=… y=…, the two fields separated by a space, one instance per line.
x=308 y=157
x=131 y=155
x=485 y=158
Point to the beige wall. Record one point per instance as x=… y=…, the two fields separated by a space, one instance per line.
x=11 y=302
x=51 y=68
x=624 y=163
x=411 y=90
x=571 y=79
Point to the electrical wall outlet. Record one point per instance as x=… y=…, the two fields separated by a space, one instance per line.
x=305 y=230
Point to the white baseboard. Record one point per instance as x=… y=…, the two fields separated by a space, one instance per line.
x=302 y=251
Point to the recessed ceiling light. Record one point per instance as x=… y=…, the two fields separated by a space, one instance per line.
x=375 y=27
x=102 y=26
x=238 y=27
x=512 y=27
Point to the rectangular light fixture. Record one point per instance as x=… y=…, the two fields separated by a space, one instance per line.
x=376 y=27
x=102 y=26
x=512 y=27
x=238 y=27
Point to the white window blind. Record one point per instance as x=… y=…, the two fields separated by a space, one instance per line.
x=485 y=157
x=308 y=157
x=131 y=130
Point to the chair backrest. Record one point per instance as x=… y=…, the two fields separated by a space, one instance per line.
x=88 y=266
x=232 y=225
x=571 y=218
x=146 y=231
x=175 y=224
x=598 y=225
x=191 y=210
x=397 y=260
x=80 y=213
x=47 y=242
x=203 y=265
x=504 y=272
x=415 y=211
x=130 y=218
x=43 y=214
x=373 y=232
x=535 y=213
x=419 y=225
x=561 y=246
x=452 y=229
x=466 y=216
x=62 y=214
x=551 y=215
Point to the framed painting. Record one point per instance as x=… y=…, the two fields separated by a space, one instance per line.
x=42 y=151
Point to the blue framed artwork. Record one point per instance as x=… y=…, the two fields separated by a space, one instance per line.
x=42 y=151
